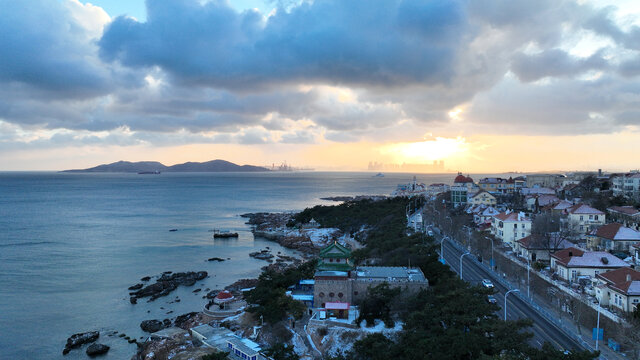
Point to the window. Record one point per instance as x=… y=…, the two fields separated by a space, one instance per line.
x=321 y=294
x=331 y=260
x=581 y=217
x=523 y=226
x=331 y=294
x=590 y=217
x=522 y=234
x=230 y=345
x=596 y=217
x=340 y=295
x=355 y=293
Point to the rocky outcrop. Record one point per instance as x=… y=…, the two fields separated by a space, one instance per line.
x=184 y=321
x=262 y=255
x=97 y=349
x=151 y=326
x=136 y=287
x=166 y=284
x=77 y=340
x=239 y=285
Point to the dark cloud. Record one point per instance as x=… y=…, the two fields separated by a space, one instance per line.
x=340 y=42
x=554 y=63
x=201 y=72
x=43 y=47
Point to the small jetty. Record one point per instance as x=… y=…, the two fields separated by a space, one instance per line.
x=224 y=234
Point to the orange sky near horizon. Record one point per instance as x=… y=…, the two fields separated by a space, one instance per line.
x=474 y=154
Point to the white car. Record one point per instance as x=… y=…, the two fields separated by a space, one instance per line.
x=487 y=283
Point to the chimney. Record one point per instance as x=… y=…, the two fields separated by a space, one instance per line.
x=628 y=277
x=570 y=253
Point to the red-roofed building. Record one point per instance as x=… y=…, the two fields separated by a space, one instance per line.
x=462 y=187
x=626 y=215
x=619 y=288
x=537 y=247
x=573 y=262
x=612 y=236
x=510 y=227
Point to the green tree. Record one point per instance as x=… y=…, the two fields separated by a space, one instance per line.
x=215 y=356
x=281 y=352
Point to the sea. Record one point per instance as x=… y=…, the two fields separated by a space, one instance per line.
x=72 y=243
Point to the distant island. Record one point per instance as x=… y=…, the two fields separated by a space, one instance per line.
x=154 y=167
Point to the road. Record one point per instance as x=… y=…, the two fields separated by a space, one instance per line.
x=543 y=330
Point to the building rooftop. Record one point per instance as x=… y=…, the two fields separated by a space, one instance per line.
x=397 y=273
x=625 y=280
x=512 y=216
x=615 y=231
x=583 y=209
x=332 y=273
x=574 y=257
x=245 y=345
x=627 y=210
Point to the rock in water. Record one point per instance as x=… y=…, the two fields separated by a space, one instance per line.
x=78 y=339
x=152 y=325
x=97 y=349
x=136 y=287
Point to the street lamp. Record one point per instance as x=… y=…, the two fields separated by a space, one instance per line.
x=450 y=228
x=505 y=302
x=442 y=248
x=461 y=256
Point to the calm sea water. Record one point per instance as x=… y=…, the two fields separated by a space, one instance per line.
x=71 y=244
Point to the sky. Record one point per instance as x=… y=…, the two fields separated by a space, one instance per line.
x=485 y=85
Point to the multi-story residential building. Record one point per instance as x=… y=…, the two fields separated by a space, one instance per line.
x=626 y=215
x=612 y=237
x=497 y=185
x=571 y=263
x=619 y=288
x=558 y=208
x=582 y=218
x=510 y=227
x=462 y=187
x=626 y=185
x=544 y=180
x=483 y=198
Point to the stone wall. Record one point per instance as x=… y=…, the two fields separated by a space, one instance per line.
x=325 y=291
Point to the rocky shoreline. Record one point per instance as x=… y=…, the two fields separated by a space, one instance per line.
x=165 y=284
x=156 y=286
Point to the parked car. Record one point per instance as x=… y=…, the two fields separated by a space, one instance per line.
x=491 y=299
x=487 y=283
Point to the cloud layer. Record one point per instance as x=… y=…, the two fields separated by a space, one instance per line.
x=323 y=70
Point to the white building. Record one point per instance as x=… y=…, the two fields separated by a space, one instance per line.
x=627 y=185
x=511 y=227
x=582 y=218
x=571 y=263
x=619 y=289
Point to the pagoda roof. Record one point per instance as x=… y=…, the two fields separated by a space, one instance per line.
x=335 y=251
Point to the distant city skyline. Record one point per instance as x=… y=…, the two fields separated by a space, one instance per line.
x=332 y=85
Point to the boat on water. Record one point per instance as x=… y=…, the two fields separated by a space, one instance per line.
x=224 y=234
x=379 y=175
x=150 y=172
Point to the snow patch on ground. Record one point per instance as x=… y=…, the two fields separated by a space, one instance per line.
x=341 y=340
